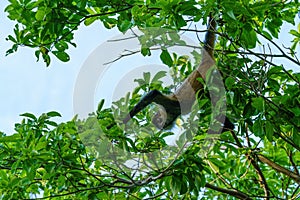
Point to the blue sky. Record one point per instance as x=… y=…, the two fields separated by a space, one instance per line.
x=28 y=86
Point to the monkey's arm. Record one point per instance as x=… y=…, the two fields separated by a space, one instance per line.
x=170 y=111
x=170 y=105
x=144 y=102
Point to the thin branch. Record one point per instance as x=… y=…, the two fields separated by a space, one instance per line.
x=279 y=168
x=78 y=24
x=238 y=143
x=270 y=63
x=294 y=195
x=262 y=179
x=128 y=53
x=218 y=174
x=256 y=167
x=158 y=195
x=283 y=54
x=6 y=168
x=247 y=136
x=290 y=154
x=259 y=55
x=69 y=193
x=164 y=172
x=122 y=39
x=232 y=192
x=261 y=176
x=277 y=46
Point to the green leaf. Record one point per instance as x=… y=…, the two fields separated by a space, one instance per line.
x=47 y=59
x=165 y=134
x=296 y=135
x=269 y=131
x=11 y=38
x=267 y=35
x=274 y=26
x=102 y=147
x=40 y=14
x=146 y=76
x=63 y=56
x=31 y=5
x=61 y=46
x=231 y=14
x=141 y=82
x=174 y=36
x=175 y=185
x=295 y=33
x=249 y=38
x=258 y=103
x=31 y=171
x=15 y=166
x=13 y=49
x=100 y=105
x=11 y=138
x=296 y=111
x=37 y=54
x=229 y=82
x=158 y=76
x=29 y=115
x=183 y=186
x=124 y=26
x=274 y=70
x=109 y=22
x=200 y=181
x=90 y=20
x=51 y=123
x=166 y=58
x=180 y=22
x=258 y=129
x=249 y=110
x=53 y=114
x=145 y=51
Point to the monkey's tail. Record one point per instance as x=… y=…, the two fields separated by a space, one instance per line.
x=210 y=36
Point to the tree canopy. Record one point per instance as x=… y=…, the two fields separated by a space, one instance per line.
x=99 y=158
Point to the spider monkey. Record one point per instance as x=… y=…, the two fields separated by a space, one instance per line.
x=181 y=101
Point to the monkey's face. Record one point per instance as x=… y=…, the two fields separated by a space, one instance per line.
x=160 y=118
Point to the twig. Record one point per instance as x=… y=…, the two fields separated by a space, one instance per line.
x=128 y=54
x=294 y=196
x=261 y=176
x=262 y=179
x=233 y=192
x=293 y=163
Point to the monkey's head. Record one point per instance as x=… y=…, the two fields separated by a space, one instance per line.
x=160 y=118
x=164 y=118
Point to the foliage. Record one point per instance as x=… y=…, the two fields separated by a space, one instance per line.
x=99 y=158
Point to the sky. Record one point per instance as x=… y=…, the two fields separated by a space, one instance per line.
x=30 y=86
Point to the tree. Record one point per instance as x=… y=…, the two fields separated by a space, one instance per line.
x=84 y=159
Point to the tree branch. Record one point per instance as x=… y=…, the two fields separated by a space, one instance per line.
x=290 y=155
x=232 y=192
x=277 y=46
x=262 y=179
x=279 y=168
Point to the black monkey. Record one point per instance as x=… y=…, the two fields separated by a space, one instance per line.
x=181 y=101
